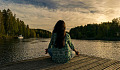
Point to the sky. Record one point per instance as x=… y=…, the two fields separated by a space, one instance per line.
x=44 y=14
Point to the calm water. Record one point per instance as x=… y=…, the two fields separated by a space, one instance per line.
x=17 y=50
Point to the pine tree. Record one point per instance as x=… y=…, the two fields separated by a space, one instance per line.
x=2 y=30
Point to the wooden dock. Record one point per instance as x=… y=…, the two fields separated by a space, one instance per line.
x=81 y=62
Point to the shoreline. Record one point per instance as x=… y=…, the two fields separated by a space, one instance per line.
x=104 y=39
x=6 y=37
x=15 y=37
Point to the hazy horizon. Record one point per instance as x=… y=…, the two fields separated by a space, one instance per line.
x=44 y=14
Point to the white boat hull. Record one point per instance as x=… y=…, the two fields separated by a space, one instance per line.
x=20 y=37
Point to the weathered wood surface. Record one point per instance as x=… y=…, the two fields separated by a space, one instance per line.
x=81 y=62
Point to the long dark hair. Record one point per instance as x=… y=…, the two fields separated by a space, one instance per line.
x=59 y=29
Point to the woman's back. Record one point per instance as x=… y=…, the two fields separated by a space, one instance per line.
x=61 y=55
x=60 y=44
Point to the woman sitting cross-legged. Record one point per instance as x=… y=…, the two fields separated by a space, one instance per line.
x=60 y=47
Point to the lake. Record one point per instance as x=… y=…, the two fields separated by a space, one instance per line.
x=17 y=50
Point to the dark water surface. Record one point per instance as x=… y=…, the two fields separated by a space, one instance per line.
x=17 y=50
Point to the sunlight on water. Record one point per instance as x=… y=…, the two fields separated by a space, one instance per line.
x=17 y=50
x=104 y=49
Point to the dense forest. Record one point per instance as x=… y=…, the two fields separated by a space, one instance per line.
x=105 y=31
x=10 y=26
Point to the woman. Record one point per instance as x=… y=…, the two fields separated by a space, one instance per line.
x=60 y=47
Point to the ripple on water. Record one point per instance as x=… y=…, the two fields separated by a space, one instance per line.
x=17 y=50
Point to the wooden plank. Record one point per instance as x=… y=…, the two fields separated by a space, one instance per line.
x=30 y=65
x=77 y=58
x=113 y=67
x=67 y=65
x=24 y=65
x=103 y=66
x=81 y=64
x=92 y=65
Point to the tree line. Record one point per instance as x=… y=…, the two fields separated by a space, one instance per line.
x=10 y=26
x=105 y=30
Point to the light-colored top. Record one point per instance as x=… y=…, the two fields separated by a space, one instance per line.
x=62 y=55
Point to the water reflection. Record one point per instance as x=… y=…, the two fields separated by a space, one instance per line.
x=7 y=50
x=17 y=50
x=104 y=49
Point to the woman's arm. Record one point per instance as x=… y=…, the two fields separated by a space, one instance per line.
x=70 y=43
x=49 y=46
x=51 y=42
x=72 y=46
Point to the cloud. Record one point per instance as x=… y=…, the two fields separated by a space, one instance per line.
x=43 y=3
x=45 y=13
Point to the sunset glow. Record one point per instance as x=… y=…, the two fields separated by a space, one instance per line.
x=44 y=14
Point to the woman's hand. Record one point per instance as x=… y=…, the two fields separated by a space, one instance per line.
x=46 y=51
x=77 y=53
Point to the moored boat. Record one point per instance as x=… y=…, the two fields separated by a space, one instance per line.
x=20 y=37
